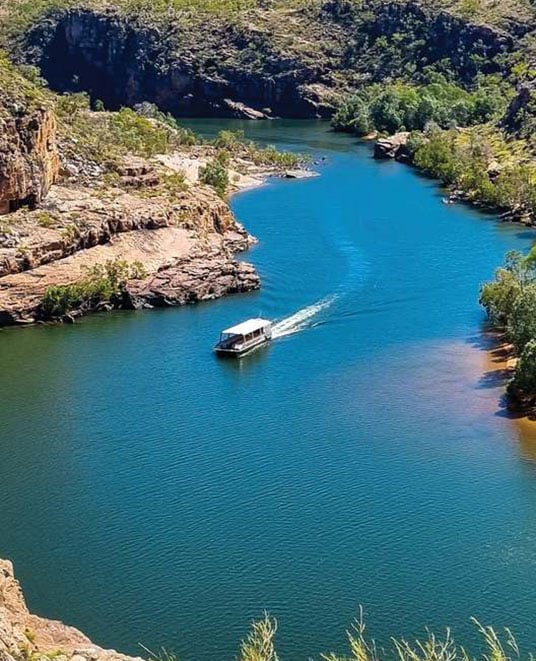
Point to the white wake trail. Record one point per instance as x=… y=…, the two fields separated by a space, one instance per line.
x=302 y=319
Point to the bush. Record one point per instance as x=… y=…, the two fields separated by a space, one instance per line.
x=522 y=319
x=69 y=105
x=499 y=297
x=215 y=174
x=437 y=157
x=104 y=282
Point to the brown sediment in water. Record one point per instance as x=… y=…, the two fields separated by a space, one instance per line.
x=500 y=357
x=500 y=362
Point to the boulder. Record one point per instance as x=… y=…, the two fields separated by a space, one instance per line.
x=392 y=147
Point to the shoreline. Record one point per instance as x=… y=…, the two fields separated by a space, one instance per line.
x=185 y=239
x=503 y=361
x=393 y=147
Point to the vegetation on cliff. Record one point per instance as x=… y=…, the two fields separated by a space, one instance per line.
x=103 y=284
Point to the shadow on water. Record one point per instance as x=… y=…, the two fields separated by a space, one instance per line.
x=499 y=369
x=237 y=365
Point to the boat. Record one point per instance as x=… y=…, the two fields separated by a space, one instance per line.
x=243 y=338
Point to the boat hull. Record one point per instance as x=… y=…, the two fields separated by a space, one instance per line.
x=230 y=352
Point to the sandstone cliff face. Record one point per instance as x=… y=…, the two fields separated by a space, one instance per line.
x=29 y=162
x=122 y=62
x=23 y=635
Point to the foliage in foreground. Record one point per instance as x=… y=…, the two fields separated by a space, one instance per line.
x=102 y=283
x=259 y=645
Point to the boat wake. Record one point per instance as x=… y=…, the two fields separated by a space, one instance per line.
x=302 y=319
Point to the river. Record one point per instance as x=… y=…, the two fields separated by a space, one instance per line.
x=152 y=493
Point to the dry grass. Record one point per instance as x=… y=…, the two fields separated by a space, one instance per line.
x=496 y=646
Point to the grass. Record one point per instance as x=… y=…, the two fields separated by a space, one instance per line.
x=259 y=645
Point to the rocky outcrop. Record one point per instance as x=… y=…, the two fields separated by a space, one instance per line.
x=201 y=276
x=420 y=35
x=185 y=242
x=393 y=146
x=29 y=162
x=74 y=219
x=520 y=118
x=24 y=636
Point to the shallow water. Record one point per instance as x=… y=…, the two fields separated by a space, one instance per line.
x=153 y=493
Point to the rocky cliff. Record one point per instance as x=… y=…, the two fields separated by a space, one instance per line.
x=270 y=60
x=185 y=242
x=520 y=118
x=80 y=190
x=29 y=162
x=27 y=636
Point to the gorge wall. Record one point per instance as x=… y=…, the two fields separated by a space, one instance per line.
x=271 y=62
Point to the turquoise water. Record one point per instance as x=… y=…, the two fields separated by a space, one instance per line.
x=152 y=493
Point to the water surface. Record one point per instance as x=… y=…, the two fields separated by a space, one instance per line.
x=153 y=493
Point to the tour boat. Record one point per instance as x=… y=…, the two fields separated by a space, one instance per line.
x=243 y=338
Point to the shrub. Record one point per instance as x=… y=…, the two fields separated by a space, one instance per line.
x=498 y=297
x=103 y=282
x=69 y=105
x=391 y=108
x=138 y=134
x=215 y=174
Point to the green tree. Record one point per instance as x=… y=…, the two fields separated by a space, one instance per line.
x=437 y=157
x=215 y=174
x=525 y=375
x=522 y=319
x=499 y=297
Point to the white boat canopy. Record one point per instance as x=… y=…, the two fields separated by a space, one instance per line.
x=247 y=327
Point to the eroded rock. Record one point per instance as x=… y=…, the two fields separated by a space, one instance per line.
x=29 y=162
x=23 y=634
x=200 y=276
